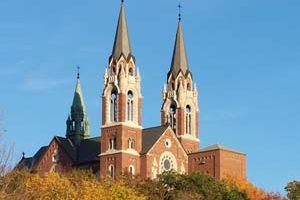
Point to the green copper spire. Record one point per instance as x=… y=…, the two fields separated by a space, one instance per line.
x=179 y=60
x=78 y=97
x=77 y=123
x=121 y=43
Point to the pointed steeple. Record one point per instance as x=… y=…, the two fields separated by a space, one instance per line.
x=179 y=60
x=78 y=103
x=77 y=123
x=180 y=102
x=121 y=43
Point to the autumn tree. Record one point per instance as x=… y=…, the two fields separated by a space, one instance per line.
x=293 y=190
x=171 y=185
x=252 y=191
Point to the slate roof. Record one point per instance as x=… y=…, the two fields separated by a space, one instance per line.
x=150 y=136
x=89 y=150
x=218 y=147
x=68 y=146
x=86 y=152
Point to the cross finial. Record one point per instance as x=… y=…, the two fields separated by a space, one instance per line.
x=122 y=1
x=78 y=74
x=23 y=154
x=179 y=11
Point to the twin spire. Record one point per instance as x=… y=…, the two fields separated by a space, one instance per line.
x=121 y=43
x=179 y=60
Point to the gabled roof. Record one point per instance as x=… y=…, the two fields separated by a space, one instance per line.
x=218 y=147
x=28 y=163
x=179 y=59
x=68 y=146
x=150 y=136
x=89 y=150
x=121 y=43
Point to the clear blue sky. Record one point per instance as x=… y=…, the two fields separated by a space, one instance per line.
x=244 y=56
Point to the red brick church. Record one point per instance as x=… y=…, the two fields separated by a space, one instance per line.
x=124 y=145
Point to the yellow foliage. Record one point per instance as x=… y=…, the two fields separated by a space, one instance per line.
x=76 y=185
x=49 y=186
x=253 y=192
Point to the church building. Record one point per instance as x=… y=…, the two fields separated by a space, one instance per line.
x=124 y=145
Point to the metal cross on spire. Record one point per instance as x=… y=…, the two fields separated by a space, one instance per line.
x=78 y=68
x=179 y=11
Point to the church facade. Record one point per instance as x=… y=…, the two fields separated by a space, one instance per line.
x=124 y=145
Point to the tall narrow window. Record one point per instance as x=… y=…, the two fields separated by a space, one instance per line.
x=111 y=170
x=188 y=120
x=172 y=117
x=113 y=106
x=130 y=143
x=73 y=126
x=81 y=126
x=112 y=143
x=131 y=169
x=129 y=106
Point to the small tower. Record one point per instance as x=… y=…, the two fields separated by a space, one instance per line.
x=77 y=122
x=121 y=106
x=180 y=104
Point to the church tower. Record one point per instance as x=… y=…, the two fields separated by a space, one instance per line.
x=180 y=97
x=77 y=123
x=121 y=129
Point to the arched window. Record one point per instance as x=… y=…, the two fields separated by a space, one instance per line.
x=129 y=106
x=172 y=117
x=188 y=120
x=81 y=126
x=111 y=170
x=130 y=143
x=131 y=169
x=130 y=71
x=189 y=88
x=73 y=126
x=112 y=143
x=113 y=106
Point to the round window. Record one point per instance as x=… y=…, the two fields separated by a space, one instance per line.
x=167 y=163
x=168 y=143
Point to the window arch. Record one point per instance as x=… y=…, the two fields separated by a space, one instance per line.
x=131 y=169
x=130 y=143
x=114 y=71
x=172 y=116
x=130 y=71
x=189 y=88
x=130 y=106
x=112 y=143
x=113 y=106
x=188 y=120
x=111 y=170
